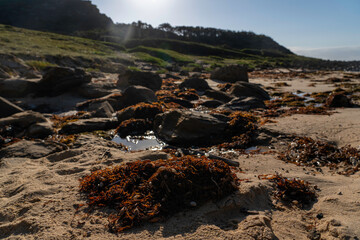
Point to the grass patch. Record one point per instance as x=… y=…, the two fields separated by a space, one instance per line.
x=163 y=54
x=39 y=65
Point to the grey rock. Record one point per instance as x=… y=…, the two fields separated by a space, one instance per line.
x=13 y=88
x=136 y=94
x=30 y=124
x=58 y=80
x=338 y=100
x=95 y=90
x=7 y=108
x=116 y=100
x=198 y=84
x=212 y=103
x=40 y=130
x=30 y=149
x=89 y=125
x=189 y=128
x=245 y=89
x=218 y=95
x=232 y=74
x=12 y=64
x=101 y=109
x=243 y=104
x=146 y=79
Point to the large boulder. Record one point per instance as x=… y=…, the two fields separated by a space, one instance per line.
x=14 y=88
x=243 y=104
x=218 y=95
x=245 y=89
x=89 y=125
x=58 y=80
x=27 y=124
x=338 y=100
x=145 y=79
x=101 y=109
x=190 y=128
x=198 y=84
x=232 y=74
x=136 y=94
x=7 y=108
x=139 y=111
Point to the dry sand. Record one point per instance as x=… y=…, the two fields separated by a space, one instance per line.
x=39 y=197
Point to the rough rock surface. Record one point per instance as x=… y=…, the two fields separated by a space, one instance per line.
x=232 y=74
x=30 y=149
x=196 y=83
x=338 y=100
x=58 y=80
x=136 y=94
x=243 y=104
x=145 y=79
x=101 y=109
x=7 y=108
x=218 y=95
x=189 y=128
x=245 y=89
x=29 y=124
x=13 y=88
x=89 y=125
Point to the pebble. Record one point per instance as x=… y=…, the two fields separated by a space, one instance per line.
x=193 y=204
x=320 y=216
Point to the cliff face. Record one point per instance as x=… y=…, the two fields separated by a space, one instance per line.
x=62 y=16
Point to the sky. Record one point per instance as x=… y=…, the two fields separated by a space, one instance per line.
x=328 y=29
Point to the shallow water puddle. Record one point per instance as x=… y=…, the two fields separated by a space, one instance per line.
x=135 y=143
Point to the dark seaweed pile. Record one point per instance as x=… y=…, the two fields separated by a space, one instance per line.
x=150 y=190
x=290 y=190
x=308 y=152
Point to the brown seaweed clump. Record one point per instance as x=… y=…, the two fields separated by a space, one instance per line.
x=292 y=190
x=151 y=190
x=308 y=152
x=59 y=122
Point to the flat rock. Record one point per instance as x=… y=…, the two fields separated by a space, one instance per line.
x=30 y=149
x=89 y=125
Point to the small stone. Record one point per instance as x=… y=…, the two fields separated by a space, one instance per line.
x=193 y=204
x=340 y=193
x=335 y=223
x=320 y=216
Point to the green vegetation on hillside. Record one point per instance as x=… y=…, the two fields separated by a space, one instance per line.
x=21 y=41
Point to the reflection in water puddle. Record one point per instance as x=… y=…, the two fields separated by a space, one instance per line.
x=135 y=143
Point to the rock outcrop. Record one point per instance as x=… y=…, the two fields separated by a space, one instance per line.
x=30 y=124
x=7 y=108
x=146 y=79
x=245 y=89
x=58 y=80
x=198 y=84
x=190 y=128
x=232 y=74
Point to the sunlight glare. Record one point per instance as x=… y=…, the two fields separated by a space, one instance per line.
x=150 y=5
